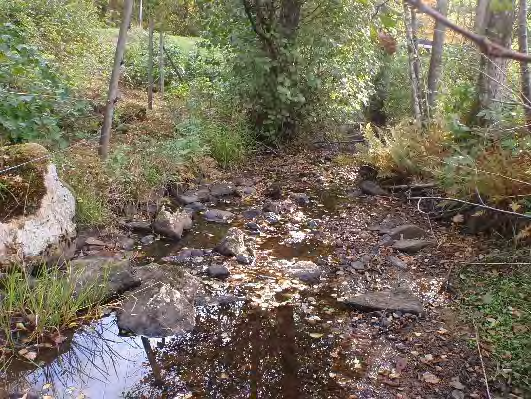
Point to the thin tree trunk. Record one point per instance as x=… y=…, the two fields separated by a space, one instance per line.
x=493 y=71
x=434 y=72
x=150 y=63
x=115 y=77
x=416 y=59
x=525 y=71
x=140 y=14
x=481 y=12
x=412 y=75
x=161 y=63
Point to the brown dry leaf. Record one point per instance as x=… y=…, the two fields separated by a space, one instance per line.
x=456 y=383
x=400 y=364
x=430 y=378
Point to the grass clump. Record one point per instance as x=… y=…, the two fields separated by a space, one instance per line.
x=498 y=299
x=34 y=310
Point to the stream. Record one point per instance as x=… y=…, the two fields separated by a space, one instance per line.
x=261 y=333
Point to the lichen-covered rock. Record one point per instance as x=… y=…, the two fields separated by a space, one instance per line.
x=171 y=224
x=234 y=244
x=36 y=208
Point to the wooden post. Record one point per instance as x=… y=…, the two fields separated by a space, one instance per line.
x=161 y=63
x=140 y=14
x=150 y=64
x=412 y=73
x=115 y=78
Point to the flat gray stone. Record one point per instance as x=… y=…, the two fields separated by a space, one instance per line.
x=113 y=276
x=412 y=246
x=371 y=188
x=219 y=216
x=139 y=226
x=306 y=271
x=407 y=231
x=400 y=300
x=222 y=190
x=218 y=271
x=397 y=262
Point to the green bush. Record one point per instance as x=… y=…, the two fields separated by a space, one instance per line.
x=35 y=103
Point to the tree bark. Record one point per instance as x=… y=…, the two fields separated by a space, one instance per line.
x=434 y=72
x=493 y=71
x=150 y=63
x=411 y=55
x=161 y=63
x=115 y=77
x=525 y=72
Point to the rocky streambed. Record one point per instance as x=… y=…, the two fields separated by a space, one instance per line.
x=288 y=280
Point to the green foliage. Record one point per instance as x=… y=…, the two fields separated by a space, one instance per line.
x=498 y=300
x=180 y=50
x=34 y=102
x=43 y=305
x=286 y=85
x=65 y=32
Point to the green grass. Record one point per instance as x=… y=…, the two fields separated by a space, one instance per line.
x=498 y=298
x=35 y=309
x=186 y=43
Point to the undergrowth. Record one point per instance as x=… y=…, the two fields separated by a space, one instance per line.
x=463 y=162
x=37 y=309
x=498 y=299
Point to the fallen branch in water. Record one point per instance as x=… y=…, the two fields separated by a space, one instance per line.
x=490 y=208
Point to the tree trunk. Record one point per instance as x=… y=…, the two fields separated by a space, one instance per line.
x=525 y=71
x=150 y=63
x=115 y=77
x=411 y=55
x=140 y=14
x=481 y=12
x=161 y=63
x=434 y=72
x=493 y=71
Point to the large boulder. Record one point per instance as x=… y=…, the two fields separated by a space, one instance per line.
x=172 y=224
x=163 y=305
x=37 y=210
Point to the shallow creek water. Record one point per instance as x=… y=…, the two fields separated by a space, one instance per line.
x=280 y=339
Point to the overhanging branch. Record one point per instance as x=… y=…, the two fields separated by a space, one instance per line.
x=486 y=46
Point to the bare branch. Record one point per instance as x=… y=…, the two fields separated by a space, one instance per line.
x=485 y=45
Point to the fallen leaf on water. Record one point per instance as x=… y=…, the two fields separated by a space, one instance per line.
x=316 y=335
x=22 y=352
x=45 y=387
x=430 y=378
x=30 y=355
x=224 y=376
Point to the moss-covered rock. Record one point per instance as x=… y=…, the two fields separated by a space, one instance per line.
x=22 y=187
x=36 y=209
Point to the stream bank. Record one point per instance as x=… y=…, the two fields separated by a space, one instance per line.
x=281 y=327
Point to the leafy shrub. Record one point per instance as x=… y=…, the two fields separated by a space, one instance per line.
x=34 y=102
